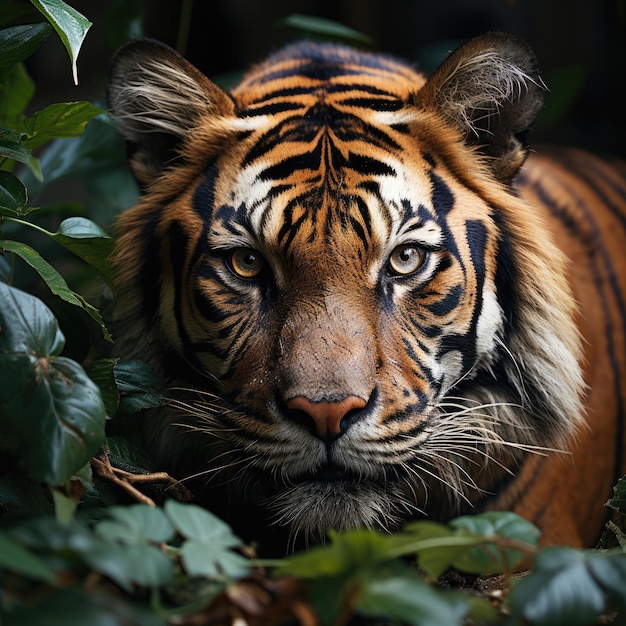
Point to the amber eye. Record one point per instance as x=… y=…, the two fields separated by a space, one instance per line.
x=245 y=262
x=406 y=260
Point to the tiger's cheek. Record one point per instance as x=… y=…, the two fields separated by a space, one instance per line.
x=428 y=337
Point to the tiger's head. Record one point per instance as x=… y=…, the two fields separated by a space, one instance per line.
x=360 y=321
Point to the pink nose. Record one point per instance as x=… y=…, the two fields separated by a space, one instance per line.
x=326 y=416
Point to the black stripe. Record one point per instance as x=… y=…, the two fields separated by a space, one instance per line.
x=448 y=303
x=204 y=196
x=373 y=104
x=271 y=109
x=368 y=166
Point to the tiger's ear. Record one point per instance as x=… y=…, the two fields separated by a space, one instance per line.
x=156 y=97
x=491 y=90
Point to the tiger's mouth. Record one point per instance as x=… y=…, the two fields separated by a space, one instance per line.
x=329 y=472
x=332 y=473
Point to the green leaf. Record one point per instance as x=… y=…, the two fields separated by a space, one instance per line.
x=139 y=387
x=13 y=196
x=569 y=587
x=53 y=279
x=404 y=596
x=27 y=325
x=437 y=549
x=494 y=556
x=207 y=549
x=101 y=372
x=135 y=525
x=70 y=25
x=213 y=560
x=15 y=558
x=65 y=119
x=16 y=91
x=194 y=522
x=11 y=147
x=128 y=456
x=141 y=564
x=345 y=553
x=19 y=42
x=47 y=401
x=87 y=241
x=328 y=29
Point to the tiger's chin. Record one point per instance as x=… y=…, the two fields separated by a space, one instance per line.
x=309 y=509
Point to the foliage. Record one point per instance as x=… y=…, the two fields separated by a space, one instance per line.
x=72 y=549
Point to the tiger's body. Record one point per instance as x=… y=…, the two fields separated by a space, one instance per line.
x=367 y=312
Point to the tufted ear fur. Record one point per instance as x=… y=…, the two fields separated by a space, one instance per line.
x=490 y=89
x=156 y=97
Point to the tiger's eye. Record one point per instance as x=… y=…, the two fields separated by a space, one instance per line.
x=406 y=260
x=245 y=263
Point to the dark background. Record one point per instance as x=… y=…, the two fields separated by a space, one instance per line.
x=580 y=45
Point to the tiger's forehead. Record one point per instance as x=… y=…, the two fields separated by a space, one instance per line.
x=328 y=157
x=377 y=211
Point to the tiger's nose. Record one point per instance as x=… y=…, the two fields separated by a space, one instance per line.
x=327 y=416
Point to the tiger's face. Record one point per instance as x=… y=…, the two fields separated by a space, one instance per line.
x=330 y=267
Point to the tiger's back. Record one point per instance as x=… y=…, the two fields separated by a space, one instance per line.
x=364 y=322
x=584 y=201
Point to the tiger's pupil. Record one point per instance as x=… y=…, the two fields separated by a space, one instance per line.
x=245 y=263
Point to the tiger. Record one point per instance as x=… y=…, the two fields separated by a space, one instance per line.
x=371 y=301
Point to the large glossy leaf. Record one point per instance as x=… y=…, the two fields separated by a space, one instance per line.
x=53 y=279
x=53 y=409
x=19 y=42
x=101 y=372
x=138 y=387
x=88 y=241
x=570 y=587
x=70 y=25
x=16 y=90
x=64 y=119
